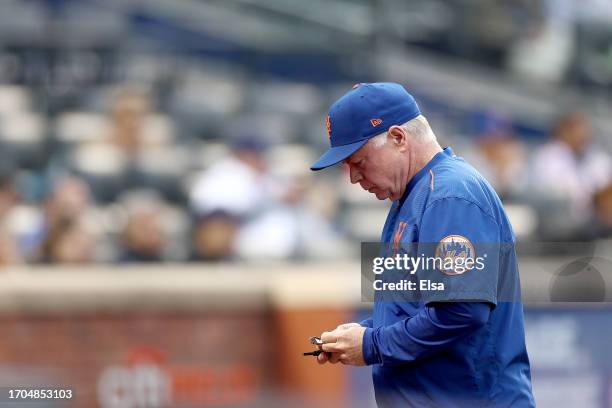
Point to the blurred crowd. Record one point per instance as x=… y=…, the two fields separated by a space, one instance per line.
x=564 y=182
x=120 y=188
x=114 y=149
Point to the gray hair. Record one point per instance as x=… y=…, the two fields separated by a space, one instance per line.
x=418 y=128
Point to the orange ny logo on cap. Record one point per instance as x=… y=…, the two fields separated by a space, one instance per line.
x=328 y=126
x=375 y=122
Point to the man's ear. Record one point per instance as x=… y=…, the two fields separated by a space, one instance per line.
x=399 y=137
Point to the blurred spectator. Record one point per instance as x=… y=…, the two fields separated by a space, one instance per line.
x=70 y=242
x=568 y=171
x=64 y=210
x=69 y=199
x=239 y=185
x=128 y=115
x=232 y=192
x=602 y=200
x=9 y=253
x=292 y=229
x=143 y=237
x=214 y=237
x=297 y=224
x=8 y=195
x=500 y=156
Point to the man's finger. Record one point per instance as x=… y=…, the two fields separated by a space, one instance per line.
x=332 y=347
x=329 y=337
x=334 y=358
x=322 y=358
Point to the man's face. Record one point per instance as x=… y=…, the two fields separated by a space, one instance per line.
x=377 y=170
x=575 y=131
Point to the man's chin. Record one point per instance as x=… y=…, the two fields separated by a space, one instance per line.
x=381 y=195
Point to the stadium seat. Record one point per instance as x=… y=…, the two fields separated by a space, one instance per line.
x=78 y=127
x=104 y=167
x=162 y=168
x=14 y=99
x=23 y=138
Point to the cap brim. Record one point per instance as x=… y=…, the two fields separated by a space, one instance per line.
x=336 y=155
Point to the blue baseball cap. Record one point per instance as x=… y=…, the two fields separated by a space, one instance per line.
x=365 y=111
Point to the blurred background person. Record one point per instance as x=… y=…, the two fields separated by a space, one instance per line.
x=64 y=232
x=143 y=238
x=567 y=172
x=295 y=225
x=239 y=184
x=601 y=224
x=500 y=155
x=214 y=237
x=69 y=242
x=234 y=191
x=128 y=115
x=8 y=195
x=9 y=250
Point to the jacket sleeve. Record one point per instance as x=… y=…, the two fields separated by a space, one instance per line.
x=367 y=322
x=435 y=328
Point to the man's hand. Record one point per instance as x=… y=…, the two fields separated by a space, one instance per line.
x=334 y=357
x=343 y=345
x=345 y=326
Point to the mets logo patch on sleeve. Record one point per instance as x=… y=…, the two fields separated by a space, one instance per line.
x=455 y=255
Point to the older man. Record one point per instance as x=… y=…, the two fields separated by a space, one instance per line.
x=465 y=347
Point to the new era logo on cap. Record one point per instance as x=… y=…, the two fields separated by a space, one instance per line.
x=362 y=113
